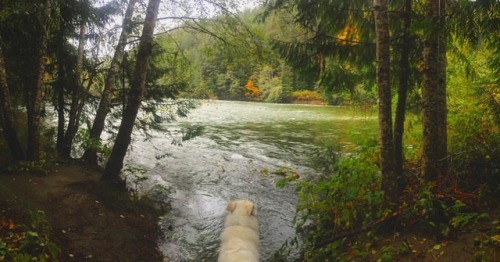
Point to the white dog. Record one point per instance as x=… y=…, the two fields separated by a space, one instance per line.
x=240 y=238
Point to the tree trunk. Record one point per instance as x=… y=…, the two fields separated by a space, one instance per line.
x=404 y=77
x=115 y=162
x=34 y=93
x=7 y=114
x=62 y=80
x=434 y=94
x=442 y=103
x=90 y=154
x=59 y=88
x=76 y=98
x=389 y=180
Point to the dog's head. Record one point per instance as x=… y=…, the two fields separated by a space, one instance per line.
x=242 y=206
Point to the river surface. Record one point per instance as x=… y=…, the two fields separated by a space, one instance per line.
x=230 y=151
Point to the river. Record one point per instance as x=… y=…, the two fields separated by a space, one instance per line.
x=234 y=150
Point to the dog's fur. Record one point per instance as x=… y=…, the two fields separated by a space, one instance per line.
x=240 y=238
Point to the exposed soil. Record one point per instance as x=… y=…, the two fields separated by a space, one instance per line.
x=90 y=221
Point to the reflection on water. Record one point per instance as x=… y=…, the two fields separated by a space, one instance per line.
x=222 y=151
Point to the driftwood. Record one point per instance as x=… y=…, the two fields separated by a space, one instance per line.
x=362 y=229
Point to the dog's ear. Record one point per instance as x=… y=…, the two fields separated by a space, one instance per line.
x=250 y=208
x=231 y=206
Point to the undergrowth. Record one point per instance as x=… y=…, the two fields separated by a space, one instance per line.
x=341 y=214
x=306 y=95
x=24 y=234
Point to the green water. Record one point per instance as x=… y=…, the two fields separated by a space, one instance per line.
x=233 y=143
x=282 y=131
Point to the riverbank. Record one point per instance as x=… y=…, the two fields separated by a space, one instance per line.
x=307 y=97
x=93 y=222
x=89 y=221
x=309 y=102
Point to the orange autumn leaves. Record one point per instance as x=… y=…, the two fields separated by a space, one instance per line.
x=349 y=36
x=10 y=239
x=251 y=91
x=7 y=224
x=25 y=242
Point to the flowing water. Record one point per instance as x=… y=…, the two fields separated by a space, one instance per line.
x=233 y=149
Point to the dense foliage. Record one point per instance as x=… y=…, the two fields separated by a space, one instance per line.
x=237 y=50
x=475 y=125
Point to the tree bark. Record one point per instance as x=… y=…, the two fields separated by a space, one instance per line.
x=434 y=94
x=442 y=102
x=7 y=114
x=76 y=98
x=115 y=162
x=63 y=56
x=404 y=77
x=59 y=88
x=34 y=93
x=389 y=179
x=90 y=155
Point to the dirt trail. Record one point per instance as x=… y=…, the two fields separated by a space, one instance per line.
x=90 y=221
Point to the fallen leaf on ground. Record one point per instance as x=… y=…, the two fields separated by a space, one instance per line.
x=496 y=238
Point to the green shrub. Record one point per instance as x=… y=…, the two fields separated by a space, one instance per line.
x=28 y=242
x=278 y=94
x=306 y=95
x=475 y=144
x=445 y=215
x=474 y=119
x=346 y=200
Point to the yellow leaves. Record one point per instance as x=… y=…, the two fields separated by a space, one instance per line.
x=46 y=77
x=496 y=239
x=50 y=73
x=349 y=36
x=437 y=251
x=252 y=91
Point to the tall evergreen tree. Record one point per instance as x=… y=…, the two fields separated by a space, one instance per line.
x=34 y=93
x=342 y=36
x=77 y=21
x=90 y=154
x=138 y=85
x=382 y=40
x=77 y=102
x=434 y=93
x=403 y=87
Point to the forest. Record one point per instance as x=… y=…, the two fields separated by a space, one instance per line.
x=75 y=72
